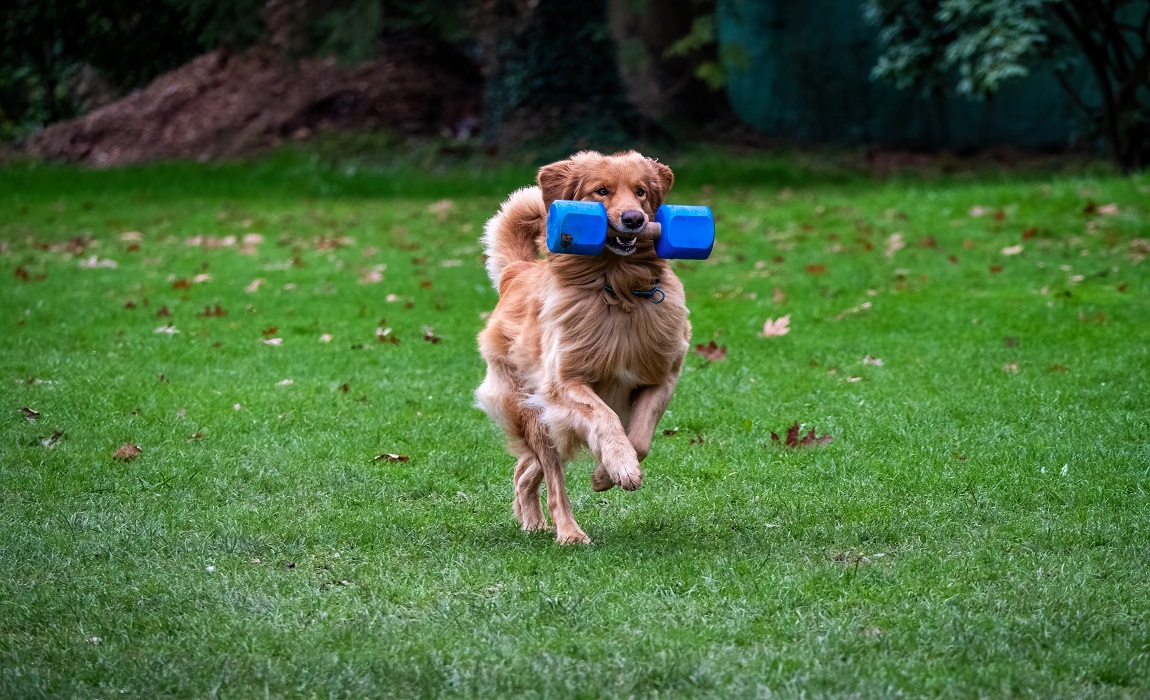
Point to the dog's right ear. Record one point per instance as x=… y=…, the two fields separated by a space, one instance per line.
x=557 y=181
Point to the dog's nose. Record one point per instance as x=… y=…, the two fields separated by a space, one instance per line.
x=633 y=218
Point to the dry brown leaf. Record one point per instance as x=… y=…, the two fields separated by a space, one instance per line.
x=126 y=452
x=388 y=457
x=712 y=352
x=793 y=441
x=50 y=441
x=30 y=414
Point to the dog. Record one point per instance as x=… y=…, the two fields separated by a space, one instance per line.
x=581 y=351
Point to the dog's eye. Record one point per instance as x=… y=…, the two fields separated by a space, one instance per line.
x=602 y=192
x=641 y=192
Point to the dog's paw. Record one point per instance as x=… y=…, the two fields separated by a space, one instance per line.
x=531 y=523
x=631 y=479
x=600 y=479
x=575 y=536
x=628 y=475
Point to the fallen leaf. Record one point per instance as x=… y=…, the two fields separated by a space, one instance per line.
x=1010 y=368
x=430 y=336
x=871 y=360
x=285 y=382
x=326 y=338
x=698 y=439
x=270 y=331
x=1012 y=249
x=776 y=327
x=210 y=312
x=126 y=452
x=50 y=441
x=373 y=276
x=816 y=269
x=778 y=296
x=712 y=352
x=254 y=285
x=273 y=341
x=1010 y=342
x=1059 y=368
x=995 y=268
x=894 y=244
x=387 y=457
x=196 y=436
x=977 y=211
x=441 y=209
x=670 y=431
x=793 y=441
x=386 y=336
x=164 y=312
x=30 y=414
x=170 y=329
x=181 y=283
x=95 y=262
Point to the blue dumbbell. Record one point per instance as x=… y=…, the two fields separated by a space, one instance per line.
x=679 y=231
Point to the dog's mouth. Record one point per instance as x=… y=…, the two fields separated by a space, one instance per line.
x=621 y=245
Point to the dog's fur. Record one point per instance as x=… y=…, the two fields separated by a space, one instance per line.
x=571 y=363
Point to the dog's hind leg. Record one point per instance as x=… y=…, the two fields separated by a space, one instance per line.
x=536 y=435
x=528 y=477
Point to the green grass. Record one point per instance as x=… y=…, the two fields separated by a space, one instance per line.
x=971 y=531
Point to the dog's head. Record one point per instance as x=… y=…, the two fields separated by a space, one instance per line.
x=630 y=186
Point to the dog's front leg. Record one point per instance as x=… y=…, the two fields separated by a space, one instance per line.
x=579 y=407
x=647 y=408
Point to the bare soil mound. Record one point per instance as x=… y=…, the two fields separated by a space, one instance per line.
x=224 y=104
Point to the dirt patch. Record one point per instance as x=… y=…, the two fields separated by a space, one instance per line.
x=225 y=104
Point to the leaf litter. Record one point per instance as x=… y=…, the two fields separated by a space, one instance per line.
x=795 y=442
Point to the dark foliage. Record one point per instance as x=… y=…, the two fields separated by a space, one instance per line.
x=977 y=44
x=552 y=69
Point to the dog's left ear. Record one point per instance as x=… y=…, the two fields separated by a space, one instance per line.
x=663 y=176
x=557 y=181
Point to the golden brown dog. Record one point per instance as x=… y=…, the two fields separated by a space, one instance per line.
x=578 y=352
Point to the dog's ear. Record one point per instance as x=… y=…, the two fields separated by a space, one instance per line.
x=557 y=181
x=664 y=178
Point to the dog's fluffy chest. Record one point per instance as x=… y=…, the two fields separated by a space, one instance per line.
x=633 y=347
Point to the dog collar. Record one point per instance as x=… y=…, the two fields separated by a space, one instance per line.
x=654 y=295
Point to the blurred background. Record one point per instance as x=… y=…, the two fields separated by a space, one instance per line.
x=109 y=82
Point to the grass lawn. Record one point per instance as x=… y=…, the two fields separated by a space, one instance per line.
x=978 y=347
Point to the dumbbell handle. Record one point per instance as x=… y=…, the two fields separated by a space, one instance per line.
x=649 y=232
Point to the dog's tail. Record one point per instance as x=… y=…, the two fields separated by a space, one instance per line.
x=518 y=232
